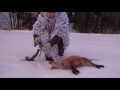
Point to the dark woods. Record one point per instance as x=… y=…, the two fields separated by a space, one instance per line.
x=96 y=22
x=83 y=22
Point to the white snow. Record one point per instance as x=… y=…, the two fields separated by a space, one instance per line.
x=16 y=45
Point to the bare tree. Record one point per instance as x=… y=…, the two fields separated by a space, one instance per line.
x=8 y=22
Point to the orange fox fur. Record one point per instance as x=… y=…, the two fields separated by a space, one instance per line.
x=73 y=62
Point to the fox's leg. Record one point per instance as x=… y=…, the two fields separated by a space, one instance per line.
x=96 y=65
x=89 y=63
x=99 y=66
x=74 y=70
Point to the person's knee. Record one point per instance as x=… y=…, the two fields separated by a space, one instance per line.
x=55 y=40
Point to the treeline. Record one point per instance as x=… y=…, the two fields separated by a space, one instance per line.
x=20 y=20
x=96 y=22
x=83 y=22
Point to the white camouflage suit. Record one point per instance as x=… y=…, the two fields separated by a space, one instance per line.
x=47 y=28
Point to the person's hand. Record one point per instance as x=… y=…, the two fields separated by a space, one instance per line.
x=36 y=41
x=46 y=47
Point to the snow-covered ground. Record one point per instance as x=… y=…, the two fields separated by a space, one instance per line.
x=16 y=45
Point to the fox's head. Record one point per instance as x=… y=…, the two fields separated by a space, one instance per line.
x=59 y=65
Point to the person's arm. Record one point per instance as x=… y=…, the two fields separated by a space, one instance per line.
x=35 y=35
x=36 y=27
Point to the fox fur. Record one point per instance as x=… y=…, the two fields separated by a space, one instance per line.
x=73 y=62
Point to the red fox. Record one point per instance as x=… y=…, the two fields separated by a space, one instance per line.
x=73 y=62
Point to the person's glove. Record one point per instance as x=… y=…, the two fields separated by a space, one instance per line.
x=46 y=47
x=36 y=41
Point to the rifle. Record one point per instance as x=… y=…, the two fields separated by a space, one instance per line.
x=35 y=55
